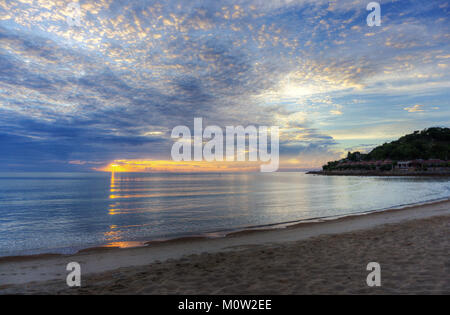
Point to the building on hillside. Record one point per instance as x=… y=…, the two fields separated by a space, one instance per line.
x=403 y=165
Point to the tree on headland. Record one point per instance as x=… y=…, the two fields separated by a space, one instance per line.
x=429 y=144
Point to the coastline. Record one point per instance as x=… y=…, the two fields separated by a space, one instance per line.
x=375 y=173
x=46 y=273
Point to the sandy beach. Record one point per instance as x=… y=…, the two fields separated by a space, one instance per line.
x=412 y=246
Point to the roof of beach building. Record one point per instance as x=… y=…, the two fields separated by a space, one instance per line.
x=346 y=162
x=434 y=161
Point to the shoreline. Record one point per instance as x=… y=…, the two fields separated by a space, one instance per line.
x=379 y=174
x=22 y=273
x=215 y=234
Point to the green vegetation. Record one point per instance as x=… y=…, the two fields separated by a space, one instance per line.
x=431 y=143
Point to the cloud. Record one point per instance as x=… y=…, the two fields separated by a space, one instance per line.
x=419 y=108
x=114 y=87
x=415 y=109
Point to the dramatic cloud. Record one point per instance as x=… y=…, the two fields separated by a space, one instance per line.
x=77 y=97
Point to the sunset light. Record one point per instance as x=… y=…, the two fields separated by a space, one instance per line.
x=225 y=152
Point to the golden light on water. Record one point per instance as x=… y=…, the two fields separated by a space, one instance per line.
x=129 y=244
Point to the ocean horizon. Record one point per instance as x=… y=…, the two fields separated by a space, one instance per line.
x=66 y=212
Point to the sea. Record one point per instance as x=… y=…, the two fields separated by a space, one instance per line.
x=67 y=212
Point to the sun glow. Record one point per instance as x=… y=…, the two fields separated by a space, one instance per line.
x=169 y=166
x=133 y=166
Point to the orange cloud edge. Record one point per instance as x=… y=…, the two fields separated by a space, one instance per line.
x=168 y=166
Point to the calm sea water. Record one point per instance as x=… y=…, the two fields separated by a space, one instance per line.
x=64 y=212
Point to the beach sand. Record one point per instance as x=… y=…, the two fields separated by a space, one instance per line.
x=411 y=245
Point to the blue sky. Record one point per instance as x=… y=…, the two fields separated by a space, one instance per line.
x=80 y=97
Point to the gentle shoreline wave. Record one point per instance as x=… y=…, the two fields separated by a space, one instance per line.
x=215 y=234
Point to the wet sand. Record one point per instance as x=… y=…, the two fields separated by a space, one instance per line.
x=412 y=246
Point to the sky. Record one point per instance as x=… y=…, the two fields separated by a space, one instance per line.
x=109 y=89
